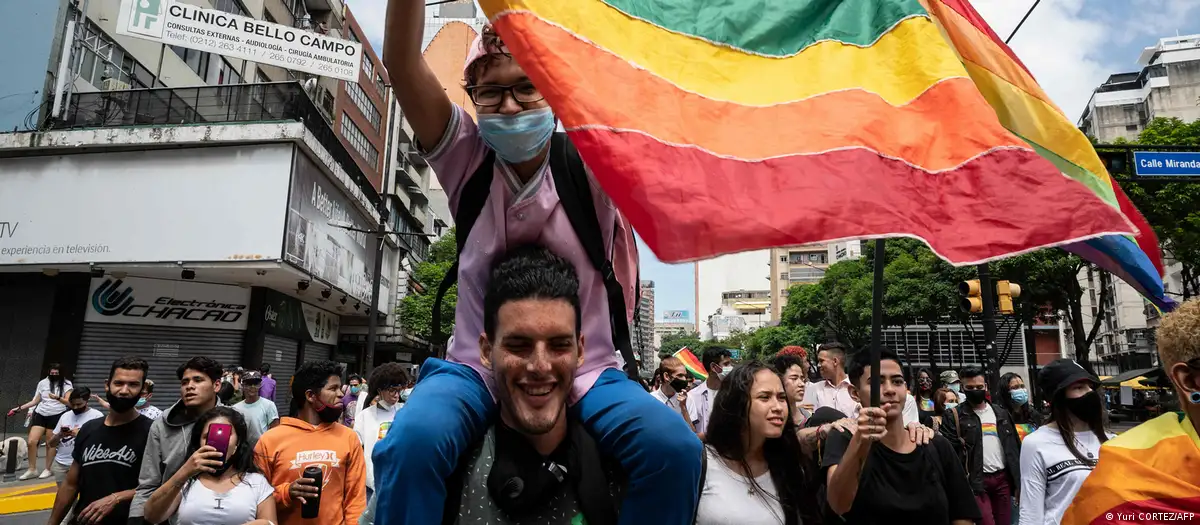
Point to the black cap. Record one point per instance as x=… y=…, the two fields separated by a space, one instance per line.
x=1060 y=374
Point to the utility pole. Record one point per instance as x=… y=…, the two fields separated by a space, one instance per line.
x=376 y=277
x=988 y=294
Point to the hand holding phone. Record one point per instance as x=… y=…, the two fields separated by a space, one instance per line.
x=218 y=438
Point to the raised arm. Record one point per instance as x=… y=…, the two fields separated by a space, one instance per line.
x=419 y=93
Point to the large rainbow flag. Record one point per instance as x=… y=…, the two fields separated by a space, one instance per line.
x=1148 y=475
x=692 y=364
x=720 y=127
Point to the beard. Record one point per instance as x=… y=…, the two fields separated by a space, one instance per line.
x=531 y=414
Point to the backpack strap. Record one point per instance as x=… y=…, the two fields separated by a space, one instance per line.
x=574 y=191
x=966 y=458
x=703 y=475
x=470 y=204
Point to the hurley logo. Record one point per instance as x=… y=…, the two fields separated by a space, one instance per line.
x=98 y=453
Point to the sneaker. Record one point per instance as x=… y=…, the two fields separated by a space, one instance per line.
x=29 y=474
x=45 y=474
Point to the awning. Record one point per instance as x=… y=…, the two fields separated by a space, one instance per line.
x=1118 y=379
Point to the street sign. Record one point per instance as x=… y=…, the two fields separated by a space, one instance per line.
x=1166 y=163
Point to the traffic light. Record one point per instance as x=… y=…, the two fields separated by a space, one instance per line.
x=1006 y=292
x=1116 y=162
x=972 y=300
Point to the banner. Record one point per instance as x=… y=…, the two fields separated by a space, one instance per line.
x=289 y=317
x=183 y=25
x=159 y=302
x=675 y=315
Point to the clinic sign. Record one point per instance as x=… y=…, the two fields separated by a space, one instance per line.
x=178 y=24
x=1166 y=163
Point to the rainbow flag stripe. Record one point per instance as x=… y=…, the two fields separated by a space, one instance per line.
x=692 y=364
x=708 y=124
x=1150 y=474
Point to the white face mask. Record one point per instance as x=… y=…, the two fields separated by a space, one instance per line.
x=725 y=370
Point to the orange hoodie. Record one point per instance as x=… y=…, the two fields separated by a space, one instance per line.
x=284 y=451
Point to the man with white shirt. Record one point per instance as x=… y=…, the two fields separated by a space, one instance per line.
x=835 y=390
x=672 y=390
x=717 y=362
x=68 y=428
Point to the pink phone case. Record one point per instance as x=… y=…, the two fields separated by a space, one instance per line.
x=218 y=437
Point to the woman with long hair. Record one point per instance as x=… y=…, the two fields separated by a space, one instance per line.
x=211 y=489
x=753 y=449
x=1014 y=397
x=943 y=398
x=1056 y=458
x=50 y=400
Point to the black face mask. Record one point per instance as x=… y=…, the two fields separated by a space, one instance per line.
x=679 y=384
x=329 y=414
x=80 y=411
x=120 y=405
x=1086 y=407
x=976 y=397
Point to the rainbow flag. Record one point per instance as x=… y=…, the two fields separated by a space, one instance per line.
x=1148 y=475
x=691 y=363
x=732 y=126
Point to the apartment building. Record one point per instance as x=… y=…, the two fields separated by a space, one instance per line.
x=643 y=328
x=804 y=264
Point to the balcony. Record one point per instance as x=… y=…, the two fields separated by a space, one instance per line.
x=240 y=103
x=317 y=6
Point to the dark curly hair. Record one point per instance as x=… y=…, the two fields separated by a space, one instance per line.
x=385 y=376
x=311 y=376
x=529 y=272
x=241 y=459
x=792 y=471
x=494 y=48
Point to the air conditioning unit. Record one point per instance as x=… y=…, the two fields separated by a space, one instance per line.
x=112 y=84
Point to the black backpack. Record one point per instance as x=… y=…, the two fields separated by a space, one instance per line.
x=574 y=191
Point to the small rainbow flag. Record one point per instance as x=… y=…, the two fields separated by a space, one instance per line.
x=1150 y=474
x=691 y=363
x=884 y=117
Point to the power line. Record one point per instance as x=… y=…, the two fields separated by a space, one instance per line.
x=1022 y=22
x=439 y=2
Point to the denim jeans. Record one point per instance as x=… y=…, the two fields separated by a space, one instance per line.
x=450 y=410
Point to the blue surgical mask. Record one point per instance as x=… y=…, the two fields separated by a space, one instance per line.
x=517 y=138
x=141 y=402
x=951 y=405
x=956 y=388
x=1020 y=396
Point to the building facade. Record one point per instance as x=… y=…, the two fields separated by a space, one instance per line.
x=361 y=108
x=643 y=328
x=1167 y=85
x=790 y=266
x=713 y=277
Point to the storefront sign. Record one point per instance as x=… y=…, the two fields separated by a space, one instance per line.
x=199 y=204
x=178 y=24
x=159 y=302
x=335 y=255
x=289 y=317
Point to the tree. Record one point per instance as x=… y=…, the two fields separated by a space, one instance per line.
x=768 y=340
x=840 y=303
x=416 y=310
x=1172 y=208
x=671 y=343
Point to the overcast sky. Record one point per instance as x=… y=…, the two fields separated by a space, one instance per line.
x=1071 y=46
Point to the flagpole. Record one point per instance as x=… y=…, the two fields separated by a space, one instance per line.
x=877 y=320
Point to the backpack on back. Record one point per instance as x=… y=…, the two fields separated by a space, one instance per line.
x=574 y=191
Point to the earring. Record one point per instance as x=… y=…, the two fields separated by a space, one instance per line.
x=1194 y=397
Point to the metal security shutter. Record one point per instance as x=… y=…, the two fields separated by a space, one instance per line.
x=318 y=352
x=281 y=353
x=165 y=348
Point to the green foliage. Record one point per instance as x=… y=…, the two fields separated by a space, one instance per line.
x=767 y=341
x=671 y=343
x=416 y=310
x=840 y=303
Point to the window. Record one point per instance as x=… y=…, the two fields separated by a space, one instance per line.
x=227 y=74
x=197 y=60
x=379 y=82
x=352 y=36
x=267 y=17
x=231 y=6
x=782 y=258
x=358 y=141
x=368 y=68
x=1131 y=127
x=364 y=104
x=102 y=58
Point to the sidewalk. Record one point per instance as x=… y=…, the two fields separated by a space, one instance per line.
x=29 y=495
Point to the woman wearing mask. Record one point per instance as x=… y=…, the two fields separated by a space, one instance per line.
x=756 y=472
x=943 y=398
x=50 y=399
x=924 y=395
x=350 y=399
x=1056 y=458
x=375 y=419
x=1014 y=397
x=211 y=489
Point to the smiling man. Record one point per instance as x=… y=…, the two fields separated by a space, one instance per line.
x=538 y=462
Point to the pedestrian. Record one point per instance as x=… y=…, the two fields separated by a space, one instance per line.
x=212 y=488
x=756 y=470
x=951 y=381
x=984 y=435
x=315 y=438
x=143 y=405
x=1058 y=457
x=267 y=391
x=68 y=429
x=833 y=389
x=880 y=475
x=794 y=370
x=350 y=399
x=108 y=455
x=501 y=171
x=924 y=395
x=380 y=403
x=717 y=363
x=49 y=402
x=166 y=449
x=231 y=386
x=944 y=399
x=1014 y=397
x=673 y=379
x=261 y=415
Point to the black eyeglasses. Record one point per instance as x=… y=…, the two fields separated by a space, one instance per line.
x=491 y=95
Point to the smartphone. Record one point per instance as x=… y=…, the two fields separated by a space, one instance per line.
x=218 y=437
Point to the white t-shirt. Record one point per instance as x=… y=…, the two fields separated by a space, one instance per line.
x=993 y=450
x=47 y=406
x=672 y=402
x=1051 y=475
x=703 y=405
x=727 y=498
x=372 y=425
x=66 y=445
x=201 y=506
